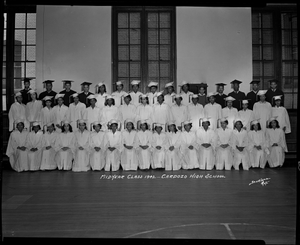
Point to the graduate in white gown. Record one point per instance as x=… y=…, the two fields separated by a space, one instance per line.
x=92 y=113
x=189 y=147
x=158 y=146
x=144 y=110
x=75 y=112
x=101 y=95
x=224 y=157
x=240 y=143
x=281 y=115
x=59 y=111
x=33 y=108
x=172 y=148
x=230 y=112
x=81 y=153
x=127 y=110
x=276 y=143
x=16 y=112
x=143 y=141
x=113 y=146
x=34 y=146
x=129 y=159
x=109 y=112
x=152 y=94
x=135 y=93
x=65 y=147
x=206 y=139
x=185 y=93
x=161 y=111
x=213 y=111
x=246 y=115
x=97 y=151
x=48 y=148
x=262 y=109
x=258 y=150
x=16 y=149
x=47 y=113
x=118 y=94
x=179 y=111
x=195 y=111
x=169 y=97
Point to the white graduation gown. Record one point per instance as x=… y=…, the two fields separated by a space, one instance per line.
x=127 y=112
x=282 y=118
x=47 y=115
x=144 y=112
x=34 y=140
x=135 y=98
x=179 y=114
x=17 y=111
x=258 y=158
x=92 y=115
x=17 y=158
x=108 y=113
x=60 y=113
x=74 y=113
x=64 y=159
x=277 y=153
x=161 y=113
x=113 y=158
x=231 y=115
x=158 y=155
x=101 y=100
x=240 y=139
x=263 y=112
x=48 y=156
x=144 y=155
x=129 y=159
x=97 y=158
x=206 y=155
x=117 y=97
x=195 y=112
x=152 y=98
x=33 y=110
x=189 y=156
x=224 y=156
x=213 y=112
x=169 y=99
x=186 y=97
x=173 y=158
x=81 y=157
x=246 y=116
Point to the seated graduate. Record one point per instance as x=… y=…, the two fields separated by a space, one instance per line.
x=81 y=153
x=213 y=111
x=33 y=107
x=59 y=111
x=143 y=140
x=34 y=146
x=16 y=149
x=246 y=115
x=189 y=146
x=65 y=147
x=127 y=110
x=152 y=94
x=206 y=139
x=179 y=111
x=47 y=113
x=118 y=93
x=169 y=97
x=144 y=110
x=97 y=151
x=172 y=148
x=113 y=146
x=158 y=146
x=135 y=93
x=281 y=115
x=129 y=159
x=101 y=94
x=240 y=143
x=109 y=111
x=229 y=111
x=48 y=147
x=91 y=113
x=258 y=150
x=224 y=157
x=76 y=111
x=185 y=93
x=276 y=143
x=195 y=111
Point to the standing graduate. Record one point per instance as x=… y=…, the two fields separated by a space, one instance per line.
x=113 y=146
x=246 y=115
x=81 y=152
x=274 y=91
x=109 y=111
x=152 y=93
x=276 y=143
x=92 y=113
x=49 y=92
x=101 y=95
x=240 y=143
x=213 y=111
x=185 y=93
x=229 y=111
x=281 y=114
x=67 y=92
x=195 y=111
x=24 y=92
x=135 y=93
x=179 y=111
x=59 y=111
x=33 y=107
x=144 y=110
x=224 y=157
x=48 y=148
x=65 y=147
x=16 y=112
x=16 y=149
x=257 y=146
x=172 y=148
x=97 y=151
x=83 y=96
x=75 y=112
x=161 y=111
x=206 y=139
x=47 y=113
x=118 y=94
x=169 y=97
x=158 y=146
x=129 y=159
x=202 y=94
x=262 y=109
x=237 y=94
x=252 y=95
x=127 y=110
x=220 y=96
x=34 y=146
x=189 y=147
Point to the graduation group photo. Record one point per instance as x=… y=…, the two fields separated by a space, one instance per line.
x=150 y=122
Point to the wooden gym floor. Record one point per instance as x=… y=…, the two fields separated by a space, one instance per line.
x=254 y=204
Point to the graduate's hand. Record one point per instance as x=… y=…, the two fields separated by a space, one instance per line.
x=57 y=125
x=48 y=147
x=258 y=147
x=171 y=148
x=144 y=147
x=97 y=148
x=284 y=128
x=245 y=128
x=80 y=148
x=275 y=144
x=33 y=149
x=111 y=148
x=65 y=148
x=191 y=147
x=158 y=147
x=224 y=146
x=22 y=148
x=240 y=148
x=206 y=145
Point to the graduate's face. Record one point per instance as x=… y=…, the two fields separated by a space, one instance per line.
x=129 y=126
x=178 y=101
x=26 y=85
x=67 y=86
x=102 y=89
x=255 y=86
x=81 y=126
x=114 y=127
x=109 y=102
x=127 y=99
x=143 y=126
x=158 y=129
x=185 y=88
x=36 y=128
x=135 y=88
x=273 y=124
x=262 y=98
x=48 y=103
x=153 y=89
x=50 y=128
x=172 y=128
x=60 y=101
x=201 y=90
x=187 y=127
x=255 y=127
x=224 y=124
x=236 y=86
x=20 y=127
x=76 y=99
x=119 y=87
x=170 y=89
x=205 y=124
x=19 y=99
x=93 y=102
x=273 y=85
x=49 y=86
x=229 y=104
x=245 y=106
x=212 y=99
x=144 y=101
x=97 y=127
x=66 y=127
x=238 y=125
x=33 y=96
x=277 y=102
x=160 y=99
x=221 y=89
x=195 y=100
x=86 y=88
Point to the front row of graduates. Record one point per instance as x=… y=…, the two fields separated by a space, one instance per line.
x=131 y=149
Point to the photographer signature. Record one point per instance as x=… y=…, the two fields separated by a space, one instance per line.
x=263 y=182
